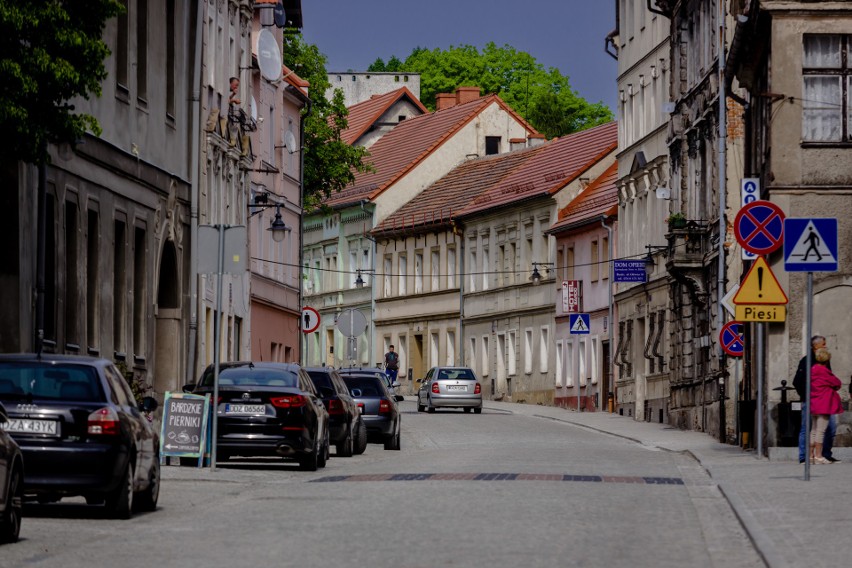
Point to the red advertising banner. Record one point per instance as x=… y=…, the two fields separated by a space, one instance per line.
x=571 y=296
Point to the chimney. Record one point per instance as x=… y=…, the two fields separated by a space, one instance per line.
x=517 y=144
x=536 y=140
x=444 y=101
x=467 y=94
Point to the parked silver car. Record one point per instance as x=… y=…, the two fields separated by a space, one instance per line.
x=450 y=387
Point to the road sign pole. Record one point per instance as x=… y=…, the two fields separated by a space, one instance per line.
x=577 y=368
x=809 y=324
x=761 y=327
x=736 y=398
x=217 y=338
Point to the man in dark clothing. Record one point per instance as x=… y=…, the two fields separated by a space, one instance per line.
x=391 y=364
x=799 y=380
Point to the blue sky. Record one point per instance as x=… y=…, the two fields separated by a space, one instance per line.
x=566 y=34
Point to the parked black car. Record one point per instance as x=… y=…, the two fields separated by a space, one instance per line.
x=11 y=484
x=268 y=409
x=344 y=416
x=379 y=409
x=81 y=431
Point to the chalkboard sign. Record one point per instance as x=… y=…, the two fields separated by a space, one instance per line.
x=184 y=430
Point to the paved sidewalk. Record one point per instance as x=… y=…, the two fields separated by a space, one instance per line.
x=792 y=522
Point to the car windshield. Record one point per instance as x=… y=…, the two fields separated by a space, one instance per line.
x=45 y=381
x=321 y=379
x=369 y=386
x=456 y=375
x=253 y=377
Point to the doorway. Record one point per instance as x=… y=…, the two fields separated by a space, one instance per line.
x=417 y=357
x=329 y=347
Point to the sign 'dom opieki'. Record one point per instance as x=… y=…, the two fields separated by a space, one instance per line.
x=184 y=431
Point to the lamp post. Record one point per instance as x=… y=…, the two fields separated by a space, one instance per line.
x=649 y=258
x=359 y=282
x=535 y=277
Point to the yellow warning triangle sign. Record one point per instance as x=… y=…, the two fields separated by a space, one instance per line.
x=760 y=286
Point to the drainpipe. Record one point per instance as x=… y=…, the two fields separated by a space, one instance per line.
x=460 y=235
x=302 y=226
x=195 y=170
x=723 y=132
x=611 y=376
x=371 y=336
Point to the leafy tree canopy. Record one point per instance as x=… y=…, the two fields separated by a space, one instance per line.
x=330 y=163
x=542 y=96
x=50 y=53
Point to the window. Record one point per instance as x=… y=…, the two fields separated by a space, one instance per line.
x=403 y=369
x=569 y=364
x=121 y=41
x=317 y=277
x=471 y=356
x=451 y=348
x=472 y=269
x=485 y=356
x=559 y=353
x=570 y=263
x=605 y=256
x=170 y=58
x=92 y=282
x=451 y=268
x=544 y=349
x=528 y=357
x=119 y=286
x=513 y=357
x=593 y=360
x=435 y=266
x=72 y=285
x=353 y=268
x=365 y=266
x=403 y=274
x=826 y=88
x=595 y=268
x=418 y=273
x=486 y=269
x=140 y=253
x=492 y=145
x=142 y=49
x=387 y=276
x=581 y=353
x=433 y=349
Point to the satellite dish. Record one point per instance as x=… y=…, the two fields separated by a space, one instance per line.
x=290 y=142
x=253 y=108
x=280 y=15
x=268 y=56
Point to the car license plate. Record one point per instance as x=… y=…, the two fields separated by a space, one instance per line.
x=29 y=426
x=456 y=387
x=245 y=409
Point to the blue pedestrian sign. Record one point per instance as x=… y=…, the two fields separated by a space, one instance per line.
x=579 y=324
x=810 y=245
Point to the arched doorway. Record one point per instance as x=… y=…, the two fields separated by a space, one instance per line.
x=168 y=339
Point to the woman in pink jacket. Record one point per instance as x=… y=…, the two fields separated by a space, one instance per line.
x=824 y=402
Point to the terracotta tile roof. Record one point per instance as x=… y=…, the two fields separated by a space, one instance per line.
x=598 y=199
x=560 y=162
x=294 y=80
x=400 y=150
x=364 y=114
x=438 y=204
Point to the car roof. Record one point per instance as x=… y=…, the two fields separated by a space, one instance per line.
x=54 y=358
x=360 y=370
x=294 y=367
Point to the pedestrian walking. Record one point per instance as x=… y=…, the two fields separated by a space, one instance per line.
x=391 y=364
x=817 y=342
x=825 y=402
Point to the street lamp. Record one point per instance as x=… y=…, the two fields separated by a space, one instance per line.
x=535 y=277
x=359 y=282
x=649 y=259
x=278 y=227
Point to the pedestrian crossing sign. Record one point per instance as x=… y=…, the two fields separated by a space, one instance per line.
x=578 y=324
x=810 y=245
x=760 y=287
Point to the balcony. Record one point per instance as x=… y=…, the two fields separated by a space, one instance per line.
x=689 y=245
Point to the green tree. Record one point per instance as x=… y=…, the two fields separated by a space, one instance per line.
x=330 y=163
x=544 y=97
x=50 y=53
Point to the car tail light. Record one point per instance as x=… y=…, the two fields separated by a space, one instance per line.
x=335 y=406
x=289 y=401
x=435 y=388
x=361 y=407
x=104 y=422
x=384 y=406
x=477 y=389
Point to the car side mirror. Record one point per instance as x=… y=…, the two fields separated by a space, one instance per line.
x=188 y=388
x=149 y=404
x=399 y=398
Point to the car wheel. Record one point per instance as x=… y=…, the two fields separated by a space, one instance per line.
x=477 y=410
x=467 y=409
x=346 y=448
x=119 y=503
x=393 y=442
x=420 y=407
x=147 y=499
x=429 y=407
x=310 y=461
x=324 y=452
x=10 y=529
x=360 y=437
